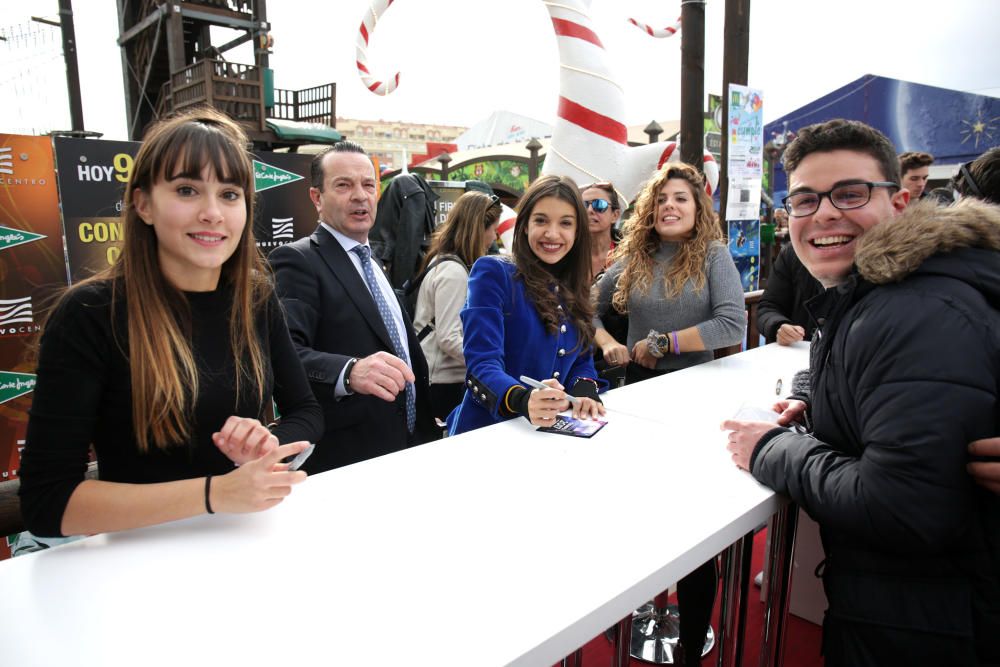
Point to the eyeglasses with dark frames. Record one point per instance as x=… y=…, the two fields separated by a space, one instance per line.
x=599 y=205
x=843 y=197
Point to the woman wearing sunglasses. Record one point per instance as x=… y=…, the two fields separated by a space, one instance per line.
x=531 y=314
x=464 y=237
x=603 y=210
x=674 y=278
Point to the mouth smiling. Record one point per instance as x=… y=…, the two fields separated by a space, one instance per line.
x=550 y=247
x=832 y=241
x=206 y=238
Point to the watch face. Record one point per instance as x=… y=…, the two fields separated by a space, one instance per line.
x=663 y=340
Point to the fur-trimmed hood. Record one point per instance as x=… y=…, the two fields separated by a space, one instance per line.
x=896 y=248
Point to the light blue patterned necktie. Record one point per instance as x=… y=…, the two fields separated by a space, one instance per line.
x=365 y=253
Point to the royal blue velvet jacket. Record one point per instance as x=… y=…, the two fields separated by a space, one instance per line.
x=504 y=338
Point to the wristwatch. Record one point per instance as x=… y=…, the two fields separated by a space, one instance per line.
x=657 y=343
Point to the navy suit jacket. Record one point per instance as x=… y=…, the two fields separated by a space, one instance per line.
x=332 y=317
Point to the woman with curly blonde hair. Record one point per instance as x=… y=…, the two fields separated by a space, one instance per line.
x=674 y=277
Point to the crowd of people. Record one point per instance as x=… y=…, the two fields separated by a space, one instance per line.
x=167 y=362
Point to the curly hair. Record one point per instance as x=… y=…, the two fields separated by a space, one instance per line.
x=572 y=272
x=641 y=240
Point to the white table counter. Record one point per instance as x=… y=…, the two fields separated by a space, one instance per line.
x=501 y=546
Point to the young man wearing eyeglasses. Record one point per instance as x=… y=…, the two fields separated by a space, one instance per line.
x=905 y=370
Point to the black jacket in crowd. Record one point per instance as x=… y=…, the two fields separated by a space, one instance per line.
x=789 y=286
x=404 y=223
x=904 y=374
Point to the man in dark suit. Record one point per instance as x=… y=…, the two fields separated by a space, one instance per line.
x=357 y=344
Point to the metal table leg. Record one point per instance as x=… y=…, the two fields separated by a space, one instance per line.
x=733 y=612
x=780 y=576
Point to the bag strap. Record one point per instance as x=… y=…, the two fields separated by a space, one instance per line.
x=409 y=289
x=412 y=285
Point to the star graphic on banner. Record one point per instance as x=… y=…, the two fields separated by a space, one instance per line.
x=979 y=129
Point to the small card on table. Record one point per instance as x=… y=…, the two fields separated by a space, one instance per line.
x=579 y=428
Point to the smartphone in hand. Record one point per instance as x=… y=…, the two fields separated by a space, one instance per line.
x=301 y=457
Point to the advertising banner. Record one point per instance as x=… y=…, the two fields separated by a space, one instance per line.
x=92 y=178
x=32 y=271
x=746 y=171
x=283 y=212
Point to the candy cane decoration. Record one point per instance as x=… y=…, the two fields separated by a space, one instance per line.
x=657 y=32
x=374 y=13
x=589 y=141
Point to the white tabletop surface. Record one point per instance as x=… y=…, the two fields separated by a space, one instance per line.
x=501 y=546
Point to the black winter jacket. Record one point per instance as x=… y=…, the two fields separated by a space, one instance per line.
x=789 y=286
x=404 y=223
x=904 y=374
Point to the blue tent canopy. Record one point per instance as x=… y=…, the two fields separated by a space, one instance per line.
x=953 y=126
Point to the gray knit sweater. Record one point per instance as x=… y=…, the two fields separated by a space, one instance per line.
x=717 y=311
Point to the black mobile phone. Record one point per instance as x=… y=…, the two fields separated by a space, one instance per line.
x=301 y=457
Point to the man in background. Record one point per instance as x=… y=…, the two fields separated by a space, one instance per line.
x=914 y=169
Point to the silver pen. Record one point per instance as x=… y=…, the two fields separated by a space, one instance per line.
x=531 y=382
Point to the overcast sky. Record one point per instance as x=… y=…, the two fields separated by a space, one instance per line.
x=460 y=60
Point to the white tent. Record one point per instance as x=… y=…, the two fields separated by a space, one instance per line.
x=502 y=127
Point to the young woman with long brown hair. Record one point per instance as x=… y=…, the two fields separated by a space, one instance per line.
x=675 y=280
x=464 y=237
x=531 y=315
x=166 y=361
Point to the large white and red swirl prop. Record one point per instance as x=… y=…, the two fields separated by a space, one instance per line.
x=372 y=83
x=669 y=31
x=589 y=141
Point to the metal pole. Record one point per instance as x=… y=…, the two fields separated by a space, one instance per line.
x=735 y=57
x=779 y=582
x=733 y=612
x=693 y=82
x=72 y=69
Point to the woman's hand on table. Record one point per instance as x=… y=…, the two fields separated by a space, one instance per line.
x=641 y=355
x=743 y=438
x=259 y=484
x=243 y=439
x=588 y=408
x=615 y=354
x=790 y=410
x=545 y=404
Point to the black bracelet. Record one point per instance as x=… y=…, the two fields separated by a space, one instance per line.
x=347 y=374
x=208 y=489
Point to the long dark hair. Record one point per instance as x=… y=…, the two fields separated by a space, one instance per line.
x=571 y=273
x=162 y=366
x=461 y=233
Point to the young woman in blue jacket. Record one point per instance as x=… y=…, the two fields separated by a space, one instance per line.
x=530 y=314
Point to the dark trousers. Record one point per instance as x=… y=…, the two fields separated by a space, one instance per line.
x=445 y=398
x=695 y=592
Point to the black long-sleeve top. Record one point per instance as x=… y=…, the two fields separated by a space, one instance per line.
x=83 y=396
x=789 y=286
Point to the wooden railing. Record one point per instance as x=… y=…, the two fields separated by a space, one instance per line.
x=751 y=300
x=312 y=105
x=235 y=89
